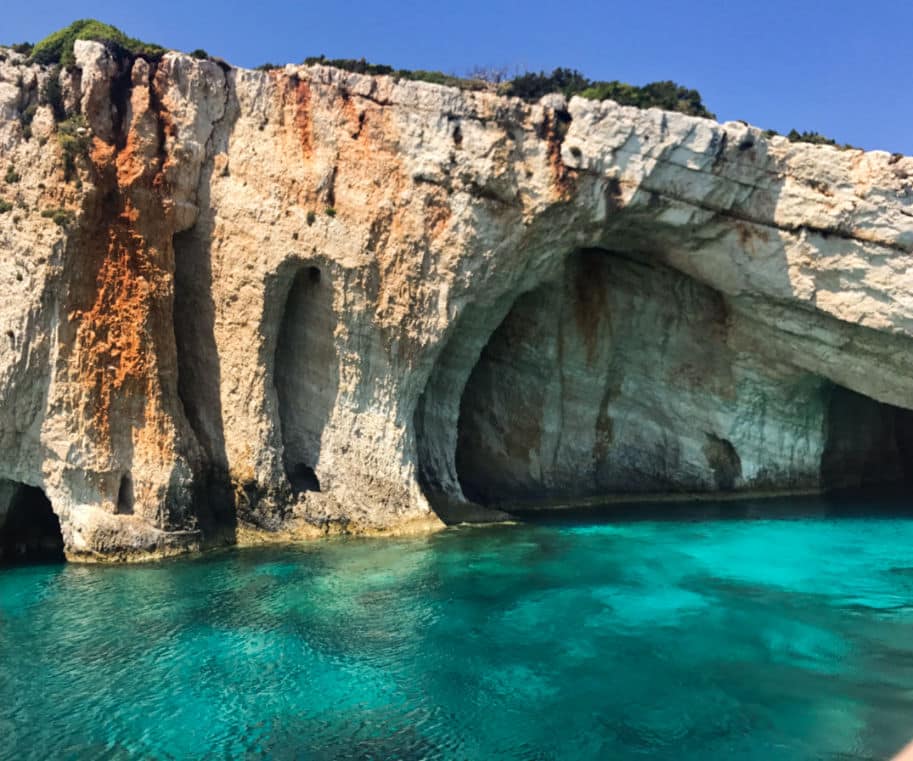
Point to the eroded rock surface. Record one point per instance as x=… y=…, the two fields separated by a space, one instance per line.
x=289 y=302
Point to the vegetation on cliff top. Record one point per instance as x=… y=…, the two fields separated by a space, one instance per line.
x=532 y=86
x=361 y=66
x=57 y=48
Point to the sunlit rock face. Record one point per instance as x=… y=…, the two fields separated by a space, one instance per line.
x=276 y=304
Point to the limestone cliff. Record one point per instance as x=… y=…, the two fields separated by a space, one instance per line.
x=306 y=300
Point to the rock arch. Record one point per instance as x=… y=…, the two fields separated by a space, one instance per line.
x=622 y=376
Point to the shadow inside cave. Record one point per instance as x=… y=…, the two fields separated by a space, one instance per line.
x=29 y=528
x=200 y=378
x=622 y=377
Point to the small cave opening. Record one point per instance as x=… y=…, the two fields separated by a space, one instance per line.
x=303 y=478
x=868 y=444
x=724 y=461
x=125 y=495
x=29 y=528
x=306 y=374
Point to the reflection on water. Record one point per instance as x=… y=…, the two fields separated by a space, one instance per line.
x=757 y=637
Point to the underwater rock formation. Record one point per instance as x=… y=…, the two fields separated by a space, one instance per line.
x=247 y=304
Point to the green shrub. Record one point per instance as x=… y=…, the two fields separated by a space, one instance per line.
x=330 y=211
x=57 y=48
x=199 y=54
x=23 y=48
x=12 y=176
x=666 y=95
x=5 y=206
x=52 y=94
x=26 y=117
x=311 y=218
x=62 y=217
x=358 y=66
x=439 y=78
x=268 y=67
x=816 y=138
x=569 y=82
x=533 y=86
x=75 y=139
x=361 y=66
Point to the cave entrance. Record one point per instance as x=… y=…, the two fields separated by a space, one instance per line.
x=306 y=374
x=869 y=445
x=625 y=378
x=29 y=530
x=534 y=424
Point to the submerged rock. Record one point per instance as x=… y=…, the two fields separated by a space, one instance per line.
x=307 y=300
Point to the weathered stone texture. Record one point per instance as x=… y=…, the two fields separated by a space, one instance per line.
x=306 y=300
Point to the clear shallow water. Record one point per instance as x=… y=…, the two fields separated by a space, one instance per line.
x=749 y=639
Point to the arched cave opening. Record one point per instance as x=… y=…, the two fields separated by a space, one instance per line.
x=306 y=374
x=29 y=528
x=623 y=377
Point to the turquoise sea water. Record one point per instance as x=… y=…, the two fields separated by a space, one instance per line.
x=751 y=638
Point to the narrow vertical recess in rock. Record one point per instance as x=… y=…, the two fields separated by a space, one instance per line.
x=200 y=375
x=125 y=495
x=306 y=374
x=29 y=528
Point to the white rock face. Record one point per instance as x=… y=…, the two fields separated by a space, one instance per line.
x=281 y=303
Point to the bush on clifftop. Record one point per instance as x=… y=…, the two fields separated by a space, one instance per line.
x=532 y=86
x=816 y=138
x=361 y=66
x=57 y=48
x=666 y=95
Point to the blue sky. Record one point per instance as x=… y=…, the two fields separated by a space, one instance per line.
x=842 y=68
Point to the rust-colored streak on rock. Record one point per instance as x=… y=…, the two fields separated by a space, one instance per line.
x=553 y=129
x=298 y=93
x=115 y=349
x=125 y=240
x=590 y=304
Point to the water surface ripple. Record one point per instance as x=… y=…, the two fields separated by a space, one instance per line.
x=764 y=638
